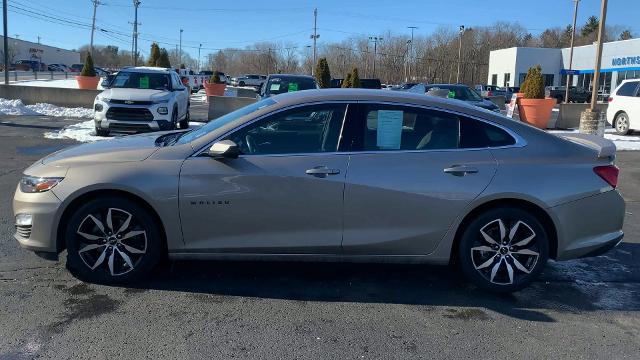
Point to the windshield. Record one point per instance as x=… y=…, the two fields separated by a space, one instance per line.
x=135 y=80
x=224 y=120
x=458 y=92
x=278 y=85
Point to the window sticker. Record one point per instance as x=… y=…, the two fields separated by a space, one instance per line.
x=274 y=87
x=389 y=131
x=451 y=94
x=293 y=87
x=144 y=82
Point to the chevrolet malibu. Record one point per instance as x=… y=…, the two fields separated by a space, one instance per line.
x=329 y=175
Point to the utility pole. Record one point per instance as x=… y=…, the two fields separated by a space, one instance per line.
x=93 y=24
x=315 y=37
x=411 y=55
x=180 y=51
x=39 y=37
x=199 y=48
x=573 y=34
x=459 y=54
x=136 y=3
x=375 y=40
x=590 y=118
x=5 y=42
x=406 y=63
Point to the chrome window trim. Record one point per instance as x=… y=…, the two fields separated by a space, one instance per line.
x=519 y=141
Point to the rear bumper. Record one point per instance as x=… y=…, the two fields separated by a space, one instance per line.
x=589 y=226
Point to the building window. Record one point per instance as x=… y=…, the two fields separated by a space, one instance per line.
x=548 y=79
x=507 y=79
x=494 y=79
x=521 y=78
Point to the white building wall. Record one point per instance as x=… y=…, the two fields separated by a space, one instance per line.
x=27 y=50
x=515 y=61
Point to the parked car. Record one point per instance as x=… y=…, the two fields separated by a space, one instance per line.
x=349 y=174
x=140 y=99
x=404 y=86
x=282 y=83
x=32 y=65
x=248 y=80
x=623 y=111
x=58 y=67
x=364 y=83
x=493 y=90
x=101 y=72
x=76 y=67
x=576 y=94
x=458 y=92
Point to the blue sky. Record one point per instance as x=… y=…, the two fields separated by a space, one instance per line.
x=219 y=24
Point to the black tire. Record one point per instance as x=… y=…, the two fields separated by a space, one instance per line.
x=489 y=269
x=241 y=83
x=174 y=119
x=140 y=240
x=184 y=123
x=102 y=132
x=621 y=123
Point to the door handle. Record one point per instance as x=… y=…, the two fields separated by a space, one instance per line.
x=322 y=171
x=460 y=170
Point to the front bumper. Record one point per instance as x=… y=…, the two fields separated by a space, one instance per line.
x=43 y=207
x=589 y=226
x=156 y=121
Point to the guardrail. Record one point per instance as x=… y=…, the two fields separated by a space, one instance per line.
x=17 y=76
x=57 y=96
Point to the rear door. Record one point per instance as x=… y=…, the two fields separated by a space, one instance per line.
x=408 y=178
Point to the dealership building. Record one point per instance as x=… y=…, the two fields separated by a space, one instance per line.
x=620 y=61
x=27 y=50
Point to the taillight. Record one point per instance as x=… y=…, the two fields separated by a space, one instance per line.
x=489 y=93
x=610 y=99
x=608 y=173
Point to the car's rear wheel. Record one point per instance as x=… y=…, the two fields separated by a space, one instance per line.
x=112 y=240
x=621 y=124
x=503 y=249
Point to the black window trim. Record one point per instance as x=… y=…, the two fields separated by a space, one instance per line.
x=519 y=141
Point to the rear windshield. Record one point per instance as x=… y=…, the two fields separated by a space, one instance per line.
x=628 y=89
x=458 y=92
x=278 y=85
x=135 y=80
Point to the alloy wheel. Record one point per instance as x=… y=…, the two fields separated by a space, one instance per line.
x=504 y=253
x=113 y=242
x=622 y=123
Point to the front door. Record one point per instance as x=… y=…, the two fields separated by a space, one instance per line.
x=284 y=195
x=408 y=180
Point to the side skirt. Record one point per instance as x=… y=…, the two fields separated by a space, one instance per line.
x=398 y=259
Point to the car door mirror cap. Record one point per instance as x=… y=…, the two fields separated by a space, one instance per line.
x=224 y=149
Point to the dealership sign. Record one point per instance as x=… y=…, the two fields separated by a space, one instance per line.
x=627 y=60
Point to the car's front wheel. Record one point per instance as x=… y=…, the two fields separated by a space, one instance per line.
x=184 y=123
x=112 y=240
x=102 y=132
x=621 y=124
x=503 y=249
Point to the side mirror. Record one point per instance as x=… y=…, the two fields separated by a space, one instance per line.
x=225 y=149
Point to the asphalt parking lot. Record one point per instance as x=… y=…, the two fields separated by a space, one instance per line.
x=587 y=308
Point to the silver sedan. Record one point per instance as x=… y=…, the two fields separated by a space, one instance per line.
x=329 y=175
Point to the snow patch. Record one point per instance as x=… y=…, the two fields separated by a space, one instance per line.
x=17 y=107
x=85 y=132
x=63 y=83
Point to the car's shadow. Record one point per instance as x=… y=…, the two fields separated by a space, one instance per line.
x=562 y=287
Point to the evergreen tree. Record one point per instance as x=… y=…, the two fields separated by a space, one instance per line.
x=88 y=69
x=590 y=27
x=182 y=66
x=163 y=59
x=323 y=75
x=533 y=87
x=625 y=35
x=346 y=83
x=154 y=55
x=355 y=78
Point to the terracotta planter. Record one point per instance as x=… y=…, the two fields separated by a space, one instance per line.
x=214 y=89
x=88 y=82
x=536 y=112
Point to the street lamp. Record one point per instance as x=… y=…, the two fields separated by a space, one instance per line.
x=180 y=51
x=375 y=40
x=573 y=34
x=407 y=64
x=459 y=53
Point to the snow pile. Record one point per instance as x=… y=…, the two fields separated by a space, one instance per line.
x=82 y=132
x=16 y=107
x=63 y=83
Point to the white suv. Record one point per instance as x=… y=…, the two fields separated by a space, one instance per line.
x=623 y=112
x=141 y=99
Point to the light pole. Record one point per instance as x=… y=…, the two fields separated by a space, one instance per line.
x=180 y=50
x=199 y=48
x=315 y=37
x=459 y=53
x=411 y=51
x=590 y=118
x=375 y=40
x=5 y=42
x=93 y=24
x=573 y=34
x=407 y=66
x=136 y=3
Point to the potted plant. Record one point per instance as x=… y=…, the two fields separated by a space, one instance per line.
x=88 y=78
x=214 y=86
x=534 y=108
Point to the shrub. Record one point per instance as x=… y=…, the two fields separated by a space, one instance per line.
x=533 y=87
x=322 y=73
x=163 y=59
x=355 y=78
x=154 y=55
x=346 y=83
x=182 y=66
x=88 y=69
x=215 y=78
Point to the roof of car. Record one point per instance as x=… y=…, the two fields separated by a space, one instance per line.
x=147 y=69
x=447 y=85
x=291 y=76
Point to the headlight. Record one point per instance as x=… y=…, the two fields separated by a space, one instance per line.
x=163 y=110
x=98 y=107
x=105 y=99
x=32 y=184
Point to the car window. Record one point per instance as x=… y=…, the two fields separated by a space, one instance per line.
x=307 y=129
x=393 y=127
x=478 y=134
x=627 y=89
x=135 y=80
x=280 y=85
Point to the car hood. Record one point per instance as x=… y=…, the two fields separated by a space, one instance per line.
x=121 y=149
x=136 y=94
